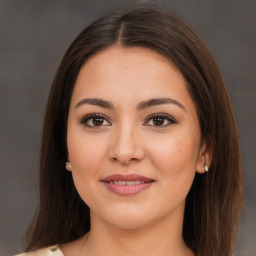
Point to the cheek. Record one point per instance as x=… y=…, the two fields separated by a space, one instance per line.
x=86 y=156
x=175 y=161
x=86 y=152
x=176 y=170
x=175 y=155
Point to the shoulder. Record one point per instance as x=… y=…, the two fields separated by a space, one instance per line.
x=47 y=251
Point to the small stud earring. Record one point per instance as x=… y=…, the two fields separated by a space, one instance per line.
x=206 y=168
x=68 y=165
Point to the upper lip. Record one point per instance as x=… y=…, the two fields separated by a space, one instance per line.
x=127 y=177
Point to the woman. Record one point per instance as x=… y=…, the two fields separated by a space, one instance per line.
x=140 y=152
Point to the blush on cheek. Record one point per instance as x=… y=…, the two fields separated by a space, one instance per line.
x=167 y=152
x=80 y=149
x=175 y=156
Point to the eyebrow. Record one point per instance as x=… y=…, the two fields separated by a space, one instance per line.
x=96 y=102
x=142 y=105
x=159 y=101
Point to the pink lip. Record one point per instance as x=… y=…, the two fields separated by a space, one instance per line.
x=128 y=177
x=127 y=189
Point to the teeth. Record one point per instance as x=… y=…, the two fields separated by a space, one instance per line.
x=127 y=183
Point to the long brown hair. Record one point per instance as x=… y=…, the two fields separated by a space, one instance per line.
x=213 y=205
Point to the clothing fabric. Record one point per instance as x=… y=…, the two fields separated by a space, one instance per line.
x=48 y=251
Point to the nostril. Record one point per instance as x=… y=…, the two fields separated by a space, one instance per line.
x=124 y=161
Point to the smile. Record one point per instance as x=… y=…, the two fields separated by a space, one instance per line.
x=127 y=184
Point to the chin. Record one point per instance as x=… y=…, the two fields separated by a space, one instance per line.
x=130 y=222
x=124 y=218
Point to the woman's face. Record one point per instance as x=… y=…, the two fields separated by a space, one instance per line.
x=133 y=138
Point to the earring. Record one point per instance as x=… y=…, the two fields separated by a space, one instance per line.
x=68 y=166
x=206 y=167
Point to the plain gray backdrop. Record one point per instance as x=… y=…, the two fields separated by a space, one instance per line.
x=34 y=35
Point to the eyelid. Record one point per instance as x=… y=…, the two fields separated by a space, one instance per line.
x=162 y=115
x=167 y=117
x=86 y=118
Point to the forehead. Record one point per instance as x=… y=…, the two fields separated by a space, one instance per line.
x=138 y=60
x=130 y=74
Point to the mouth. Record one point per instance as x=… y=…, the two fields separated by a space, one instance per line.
x=130 y=184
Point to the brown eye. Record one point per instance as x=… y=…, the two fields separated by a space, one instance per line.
x=158 y=121
x=97 y=121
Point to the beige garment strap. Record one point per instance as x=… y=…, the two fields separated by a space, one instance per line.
x=48 y=251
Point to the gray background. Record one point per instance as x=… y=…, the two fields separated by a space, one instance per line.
x=33 y=37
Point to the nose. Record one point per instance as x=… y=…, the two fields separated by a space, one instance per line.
x=126 y=146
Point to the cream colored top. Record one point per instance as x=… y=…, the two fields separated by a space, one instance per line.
x=47 y=251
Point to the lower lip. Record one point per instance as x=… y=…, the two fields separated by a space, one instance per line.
x=127 y=190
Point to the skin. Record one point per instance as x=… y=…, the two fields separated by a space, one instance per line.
x=128 y=141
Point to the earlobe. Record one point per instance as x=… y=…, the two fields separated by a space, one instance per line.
x=204 y=159
x=203 y=165
x=68 y=166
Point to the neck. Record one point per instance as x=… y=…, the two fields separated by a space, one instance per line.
x=162 y=238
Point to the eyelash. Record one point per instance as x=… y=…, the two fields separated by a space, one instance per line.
x=165 y=117
x=90 y=117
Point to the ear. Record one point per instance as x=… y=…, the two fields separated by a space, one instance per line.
x=204 y=157
x=68 y=165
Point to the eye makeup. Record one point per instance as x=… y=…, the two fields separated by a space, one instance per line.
x=96 y=120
